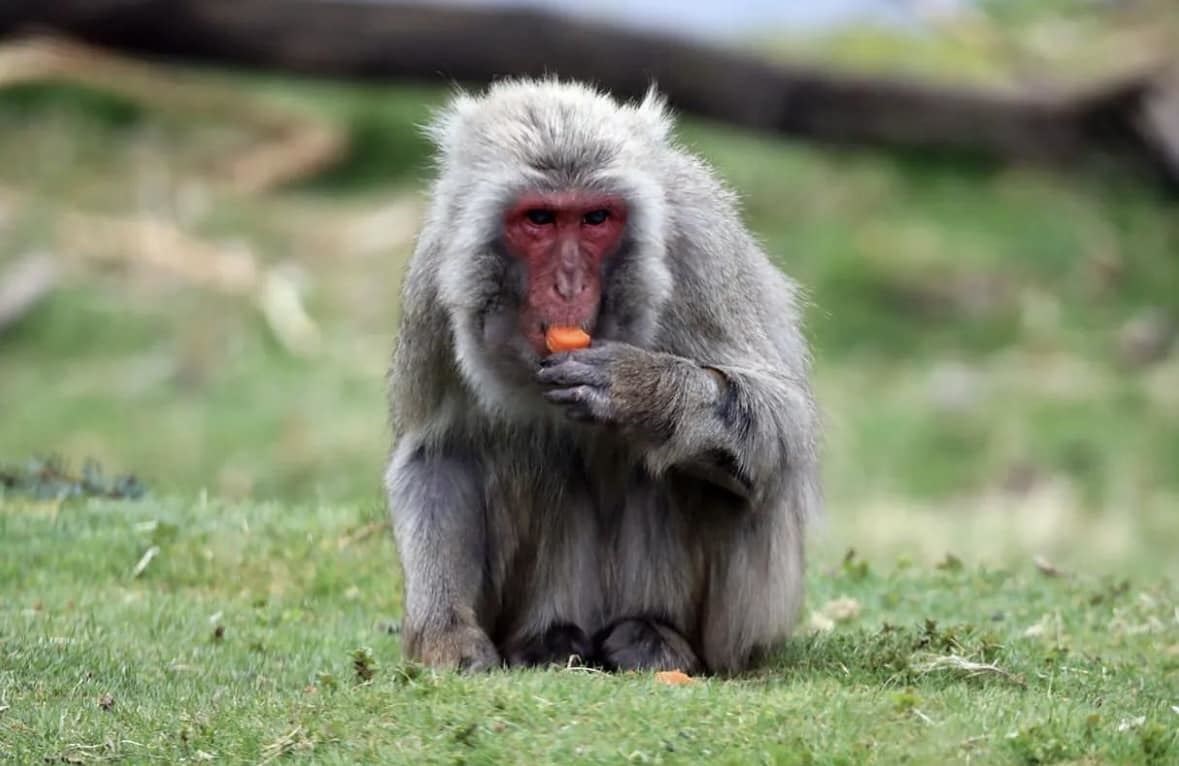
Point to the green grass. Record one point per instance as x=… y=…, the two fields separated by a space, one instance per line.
x=242 y=636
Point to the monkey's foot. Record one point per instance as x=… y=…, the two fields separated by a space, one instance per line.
x=644 y=644
x=461 y=647
x=553 y=647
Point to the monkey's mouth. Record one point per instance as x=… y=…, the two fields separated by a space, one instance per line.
x=586 y=326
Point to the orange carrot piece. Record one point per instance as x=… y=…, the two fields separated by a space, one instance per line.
x=565 y=339
x=674 y=678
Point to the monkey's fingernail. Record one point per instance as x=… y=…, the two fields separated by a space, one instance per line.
x=567 y=395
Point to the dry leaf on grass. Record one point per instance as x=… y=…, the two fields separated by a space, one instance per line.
x=842 y=609
x=1046 y=567
x=1128 y=724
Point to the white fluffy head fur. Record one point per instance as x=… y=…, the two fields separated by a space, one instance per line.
x=544 y=135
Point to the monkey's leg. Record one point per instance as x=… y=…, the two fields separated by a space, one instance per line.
x=640 y=643
x=755 y=593
x=436 y=503
x=555 y=646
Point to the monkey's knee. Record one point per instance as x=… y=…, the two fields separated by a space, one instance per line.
x=458 y=647
x=556 y=646
x=644 y=644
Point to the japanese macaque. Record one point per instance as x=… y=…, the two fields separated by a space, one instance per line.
x=639 y=503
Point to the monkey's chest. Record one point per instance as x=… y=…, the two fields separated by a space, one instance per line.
x=589 y=538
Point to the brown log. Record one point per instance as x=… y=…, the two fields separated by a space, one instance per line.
x=438 y=44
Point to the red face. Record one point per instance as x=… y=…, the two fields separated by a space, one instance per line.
x=563 y=238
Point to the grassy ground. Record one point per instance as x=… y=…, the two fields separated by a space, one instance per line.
x=966 y=324
x=263 y=629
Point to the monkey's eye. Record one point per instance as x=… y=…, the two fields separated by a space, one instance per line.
x=596 y=217
x=540 y=217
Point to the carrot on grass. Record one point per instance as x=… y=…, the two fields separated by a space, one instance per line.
x=673 y=677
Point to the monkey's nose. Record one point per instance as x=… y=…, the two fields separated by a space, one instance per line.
x=570 y=283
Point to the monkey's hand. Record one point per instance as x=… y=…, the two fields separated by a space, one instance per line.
x=641 y=391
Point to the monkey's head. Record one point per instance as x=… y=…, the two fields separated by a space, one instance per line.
x=547 y=212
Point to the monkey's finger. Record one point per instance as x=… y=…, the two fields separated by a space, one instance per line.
x=571 y=395
x=583 y=403
x=555 y=358
x=572 y=373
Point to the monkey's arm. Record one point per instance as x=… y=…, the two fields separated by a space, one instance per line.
x=436 y=505
x=744 y=428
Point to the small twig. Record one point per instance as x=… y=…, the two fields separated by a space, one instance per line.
x=583 y=669
x=572 y=665
x=954 y=662
x=144 y=560
x=280 y=746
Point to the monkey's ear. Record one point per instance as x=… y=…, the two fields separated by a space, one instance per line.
x=654 y=114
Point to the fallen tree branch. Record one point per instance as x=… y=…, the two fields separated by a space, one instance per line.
x=357 y=39
x=291 y=145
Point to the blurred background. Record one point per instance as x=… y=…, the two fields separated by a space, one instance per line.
x=206 y=207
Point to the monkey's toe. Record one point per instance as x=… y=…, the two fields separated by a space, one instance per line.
x=644 y=644
x=553 y=647
x=482 y=660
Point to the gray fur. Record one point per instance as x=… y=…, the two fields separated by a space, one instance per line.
x=682 y=494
